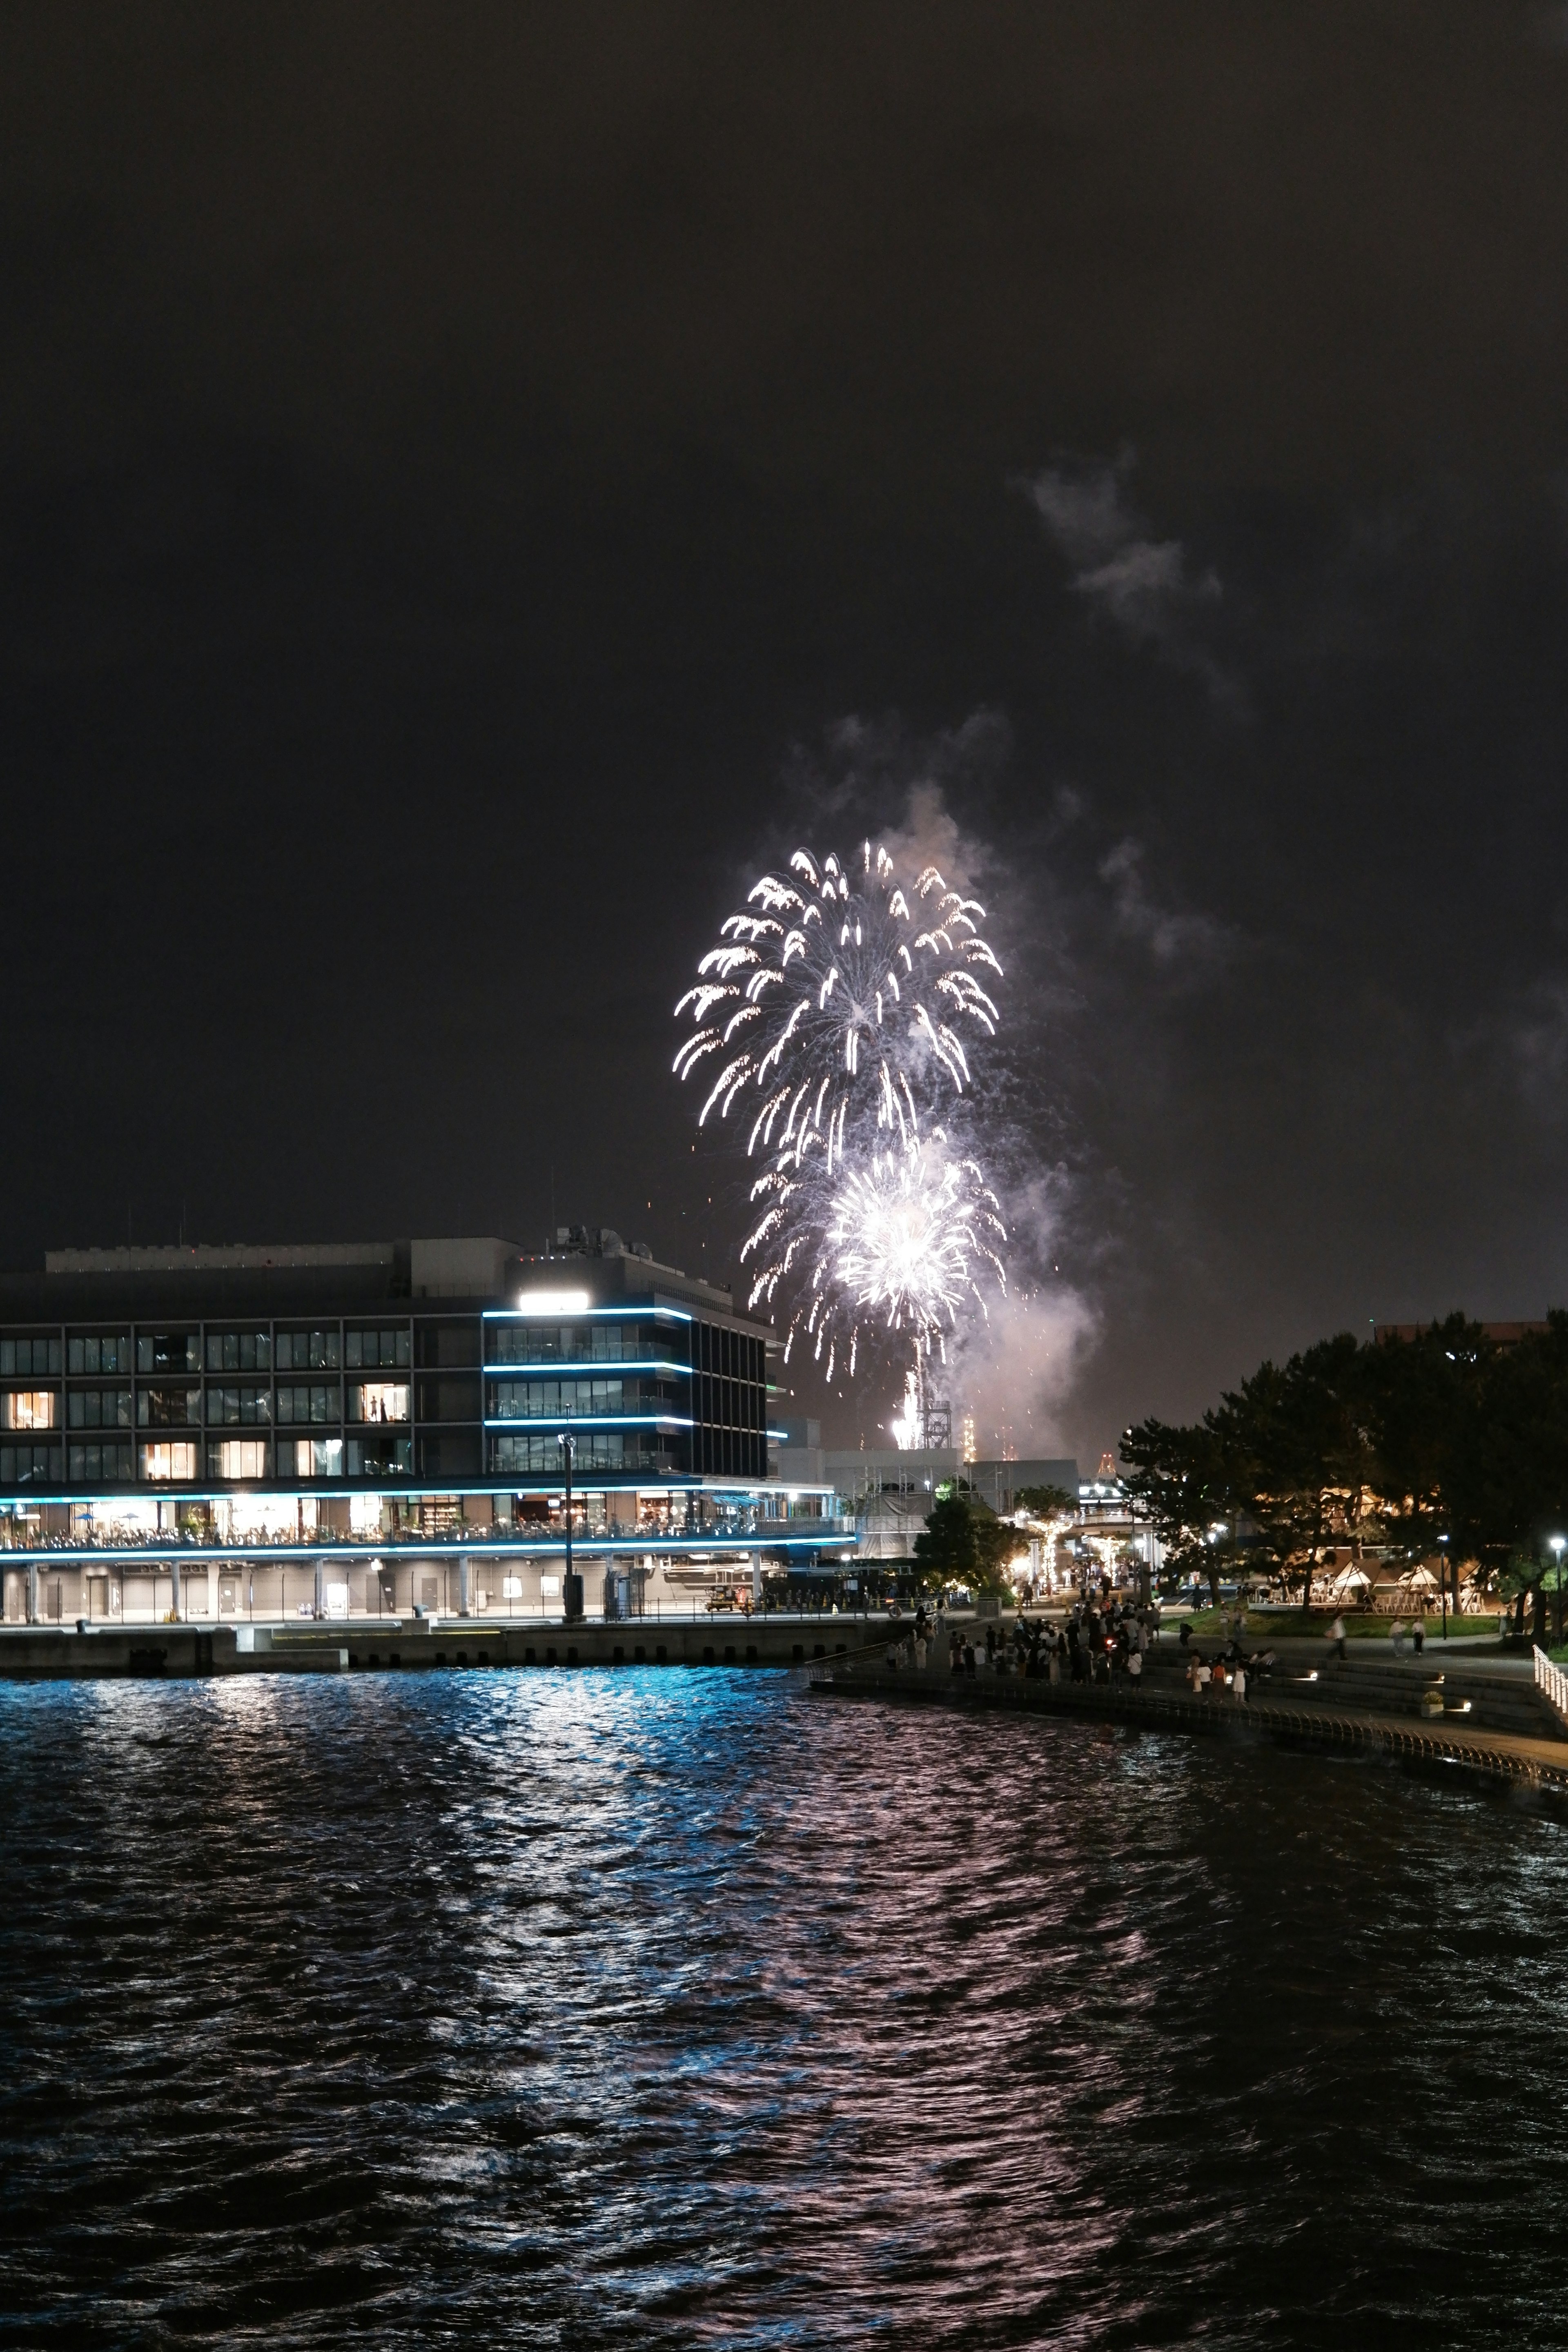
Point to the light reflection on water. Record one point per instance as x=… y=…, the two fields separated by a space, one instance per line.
x=649 y=2007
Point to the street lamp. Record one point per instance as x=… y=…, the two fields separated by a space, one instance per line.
x=1443 y=1585
x=1556 y=1543
x=571 y=1586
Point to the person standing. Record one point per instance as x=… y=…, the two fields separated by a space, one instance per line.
x=1418 y=1630
x=1238 y=1682
x=1337 y=1634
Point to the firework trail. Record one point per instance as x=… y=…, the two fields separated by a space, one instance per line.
x=834 y=1010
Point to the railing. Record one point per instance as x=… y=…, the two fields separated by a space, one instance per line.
x=1554 y=1683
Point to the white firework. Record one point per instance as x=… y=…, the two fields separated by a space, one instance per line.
x=899 y=1242
x=837 y=1004
x=840 y=1009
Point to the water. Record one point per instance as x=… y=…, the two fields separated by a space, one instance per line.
x=644 y=2009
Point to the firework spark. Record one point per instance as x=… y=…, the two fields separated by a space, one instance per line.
x=840 y=1007
x=899 y=1242
x=835 y=1001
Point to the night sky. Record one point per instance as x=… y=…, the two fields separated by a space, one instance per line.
x=479 y=483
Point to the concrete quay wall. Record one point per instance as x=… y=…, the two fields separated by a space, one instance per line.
x=1538 y=1765
x=60 y=1653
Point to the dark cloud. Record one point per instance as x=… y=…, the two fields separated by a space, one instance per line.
x=450 y=464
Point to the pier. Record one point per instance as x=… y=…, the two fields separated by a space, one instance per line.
x=416 y=1645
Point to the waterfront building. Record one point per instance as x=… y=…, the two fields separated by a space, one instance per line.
x=343 y=1430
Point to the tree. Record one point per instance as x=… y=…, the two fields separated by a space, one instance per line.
x=1046 y=1501
x=965 y=1543
x=1444 y=1438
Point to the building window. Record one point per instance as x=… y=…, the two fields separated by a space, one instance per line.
x=380 y=1457
x=587 y=1343
x=99 y=1408
x=99 y=1465
x=309 y=1351
x=24 y=1465
x=29 y=1355
x=318 y=1457
x=98 y=1351
x=168 y=1351
x=239 y=1351
x=512 y=1587
x=558 y=1400
x=318 y=1403
x=29 y=1408
x=169 y=1408
x=366 y=1350
x=232 y=1458
x=162 y=1462
x=378 y=1400
x=227 y=1407
x=540 y=1456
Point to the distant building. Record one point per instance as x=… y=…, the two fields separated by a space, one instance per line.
x=998 y=1482
x=328 y=1428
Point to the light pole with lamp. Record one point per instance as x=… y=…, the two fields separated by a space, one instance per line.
x=571 y=1586
x=1556 y=1543
x=1443 y=1585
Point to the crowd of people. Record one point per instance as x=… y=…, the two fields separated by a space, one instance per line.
x=1228 y=1671
x=1104 y=1642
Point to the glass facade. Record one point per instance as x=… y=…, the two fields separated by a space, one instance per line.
x=649 y=1392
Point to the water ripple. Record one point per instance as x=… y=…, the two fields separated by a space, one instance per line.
x=647 y=2008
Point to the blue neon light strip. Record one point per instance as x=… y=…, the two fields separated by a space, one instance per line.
x=99 y=1557
x=575 y=1314
x=545 y=1421
x=580 y=1367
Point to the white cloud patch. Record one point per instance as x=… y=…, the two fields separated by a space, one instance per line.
x=1193 y=944
x=1537 y=1041
x=1144 y=584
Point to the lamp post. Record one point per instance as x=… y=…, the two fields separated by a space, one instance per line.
x=1556 y=1543
x=1443 y=1585
x=571 y=1586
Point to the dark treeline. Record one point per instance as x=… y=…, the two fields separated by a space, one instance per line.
x=1402 y=1442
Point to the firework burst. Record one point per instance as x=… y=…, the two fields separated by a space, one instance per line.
x=898 y=1245
x=836 y=1003
x=839 y=1008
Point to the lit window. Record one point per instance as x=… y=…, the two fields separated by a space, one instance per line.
x=319 y=1458
x=512 y=1587
x=239 y=1457
x=549 y=1588
x=378 y=1401
x=29 y=1408
x=166 y=1461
